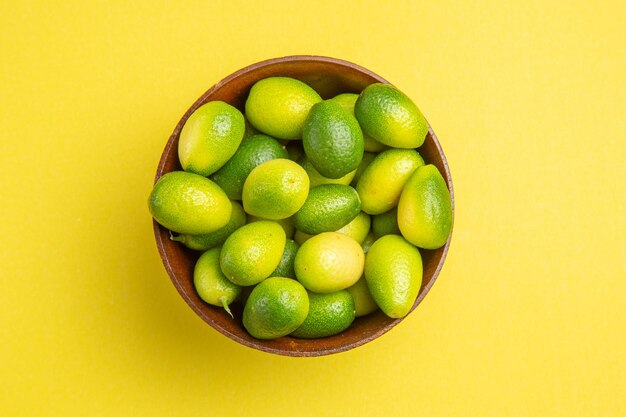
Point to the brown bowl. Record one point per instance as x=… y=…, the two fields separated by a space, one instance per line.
x=329 y=77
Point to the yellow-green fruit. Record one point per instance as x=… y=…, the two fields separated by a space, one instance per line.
x=275 y=308
x=286 y=224
x=393 y=271
x=425 y=209
x=278 y=106
x=252 y=252
x=329 y=262
x=188 y=203
x=275 y=189
x=363 y=302
x=381 y=183
x=358 y=228
x=300 y=237
x=211 y=240
x=210 y=136
x=386 y=223
x=253 y=151
x=332 y=140
x=211 y=284
x=329 y=314
x=316 y=178
x=327 y=208
x=368 y=157
x=347 y=101
x=390 y=116
x=285 y=267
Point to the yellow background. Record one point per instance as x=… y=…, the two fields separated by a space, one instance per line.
x=528 y=315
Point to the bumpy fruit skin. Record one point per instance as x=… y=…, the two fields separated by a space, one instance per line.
x=275 y=308
x=425 y=209
x=210 y=136
x=285 y=267
x=390 y=116
x=188 y=203
x=327 y=208
x=393 y=271
x=347 y=101
x=329 y=314
x=278 y=106
x=358 y=228
x=211 y=284
x=332 y=140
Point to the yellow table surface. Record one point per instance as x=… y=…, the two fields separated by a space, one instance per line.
x=528 y=315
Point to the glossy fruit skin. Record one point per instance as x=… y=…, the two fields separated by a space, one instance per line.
x=390 y=116
x=275 y=308
x=332 y=140
x=285 y=267
x=364 y=304
x=286 y=224
x=393 y=271
x=368 y=157
x=425 y=209
x=210 y=136
x=278 y=106
x=316 y=178
x=252 y=252
x=328 y=315
x=210 y=283
x=347 y=101
x=327 y=208
x=358 y=228
x=253 y=151
x=188 y=203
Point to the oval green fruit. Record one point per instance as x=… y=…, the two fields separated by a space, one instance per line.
x=368 y=157
x=393 y=271
x=285 y=267
x=425 y=209
x=211 y=284
x=363 y=302
x=286 y=224
x=253 y=152
x=327 y=208
x=332 y=140
x=275 y=308
x=188 y=203
x=211 y=240
x=381 y=183
x=358 y=228
x=316 y=178
x=252 y=252
x=386 y=223
x=210 y=136
x=347 y=101
x=390 y=116
x=329 y=314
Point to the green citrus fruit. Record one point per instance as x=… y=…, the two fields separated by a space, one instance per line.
x=329 y=314
x=368 y=157
x=425 y=209
x=211 y=240
x=253 y=151
x=316 y=178
x=386 y=223
x=278 y=106
x=332 y=140
x=275 y=308
x=188 y=203
x=363 y=302
x=210 y=136
x=381 y=183
x=390 y=116
x=393 y=271
x=327 y=208
x=286 y=224
x=252 y=252
x=211 y=284
x=275 y=189
x=358 y=228
x=347 y=101
x=329 y=262
x=285 y=266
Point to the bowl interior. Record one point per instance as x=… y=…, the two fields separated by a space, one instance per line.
x=329 y=77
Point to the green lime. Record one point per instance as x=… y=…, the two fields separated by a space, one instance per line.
x=329 y=314
x=327 y=208
x=332 y=140
x=425 y=209
x=363 y=302
x=358 y=228
x=386 y=223
x=253 y=152
x=275 y=308
x=211 y=284
x=300 y=237
x=347 y=101
x=252 y=252
x=285 y=266
x=278 y=106
x=318 y=179
x=381 y=183
x=210 y=136
x=275 y=189
x=368 y=157
x=211 y=240
x=390 y=116
x=329 y=262
x=188 y=203
x=393 y=271
x=286 y=224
